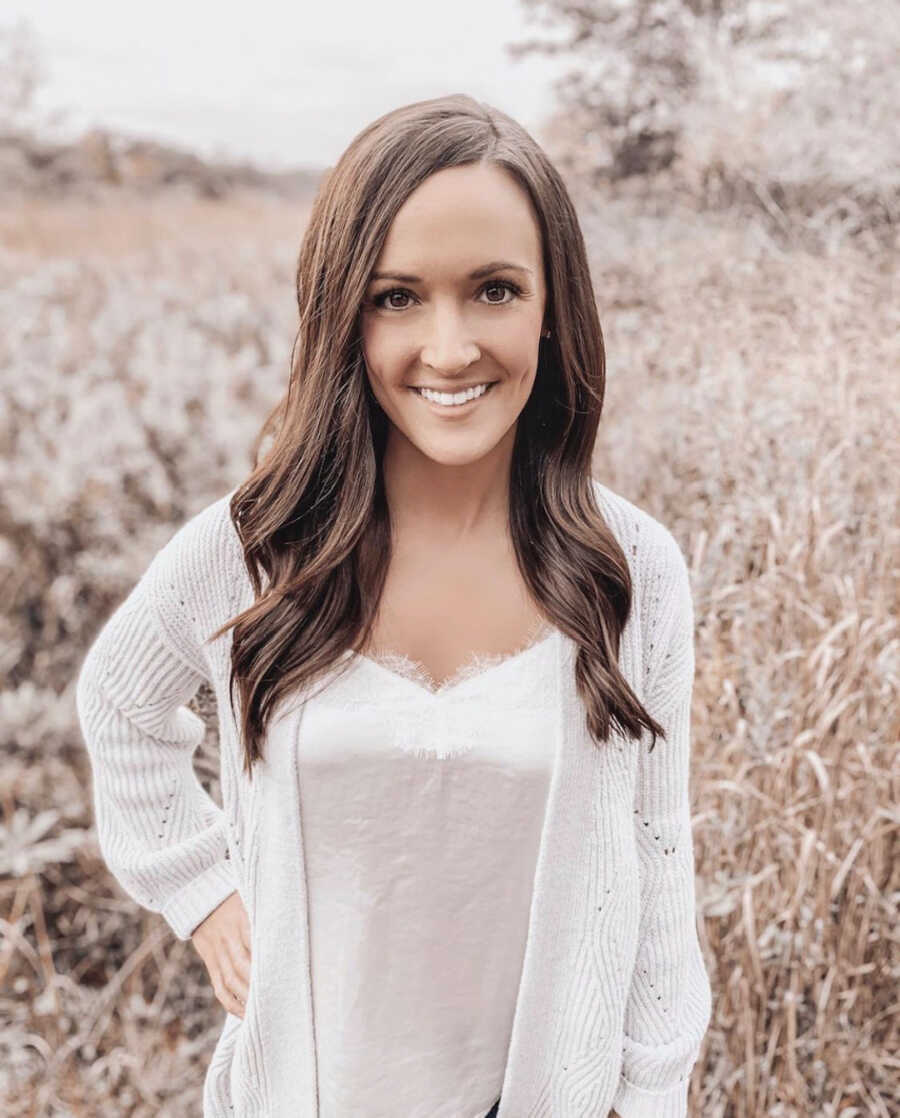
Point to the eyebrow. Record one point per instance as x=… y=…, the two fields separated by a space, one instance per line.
x=484 y=270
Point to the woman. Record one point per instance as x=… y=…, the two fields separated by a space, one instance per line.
x=454 y=864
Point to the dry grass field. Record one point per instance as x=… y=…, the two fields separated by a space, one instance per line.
x=752 y=406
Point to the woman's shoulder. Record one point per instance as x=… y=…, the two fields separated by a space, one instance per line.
x=204 y=544
x=664 y=612
x=651 y=548
x=195 y=578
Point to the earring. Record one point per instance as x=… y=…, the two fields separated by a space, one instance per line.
x=545 y=333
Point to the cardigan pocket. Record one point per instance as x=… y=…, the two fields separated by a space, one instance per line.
x=227 y=1090
x=247 y=1074
x=235 y=1078
x=217 y=1084
x=232 y=1087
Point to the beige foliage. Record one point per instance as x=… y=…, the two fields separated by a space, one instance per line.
x=750 y=406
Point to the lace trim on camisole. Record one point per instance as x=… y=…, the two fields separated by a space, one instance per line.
x=443 y=721
x=473 y=665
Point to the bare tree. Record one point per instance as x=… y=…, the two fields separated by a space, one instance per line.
x=770 y=92
x=621 y=102
x=22 y=74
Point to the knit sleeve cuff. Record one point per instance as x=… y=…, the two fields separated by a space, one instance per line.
x=191 y=905
x=637 y=1102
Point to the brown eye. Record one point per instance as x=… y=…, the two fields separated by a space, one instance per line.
x=502 y=285
x=382 y=299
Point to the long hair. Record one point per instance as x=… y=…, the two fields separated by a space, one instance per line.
x=312 y=515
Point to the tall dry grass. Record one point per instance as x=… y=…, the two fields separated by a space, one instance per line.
x=751 y=405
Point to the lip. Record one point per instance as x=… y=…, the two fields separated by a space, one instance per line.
x=456 y=388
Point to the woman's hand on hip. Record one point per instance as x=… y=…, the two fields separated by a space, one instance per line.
x=223 y=943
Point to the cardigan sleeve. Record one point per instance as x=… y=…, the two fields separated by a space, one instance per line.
x=669 y=1003
x=160 y=833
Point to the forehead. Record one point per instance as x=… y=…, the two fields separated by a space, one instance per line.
x=461 y=217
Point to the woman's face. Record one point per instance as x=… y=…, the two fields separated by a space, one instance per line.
x=429 y=321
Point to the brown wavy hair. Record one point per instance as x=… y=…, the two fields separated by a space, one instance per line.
x=313 y=517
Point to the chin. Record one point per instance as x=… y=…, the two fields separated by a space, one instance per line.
x=454 y=456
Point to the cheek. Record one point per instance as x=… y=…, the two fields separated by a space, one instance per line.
x=521 y=367
x=517 y=354
x=383 y=356
x=377 y=364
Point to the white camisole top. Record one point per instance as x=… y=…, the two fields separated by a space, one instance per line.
x=422 y=807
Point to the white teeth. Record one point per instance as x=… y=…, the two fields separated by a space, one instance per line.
x=456 y=398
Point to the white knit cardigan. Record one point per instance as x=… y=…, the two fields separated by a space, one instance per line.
x=614 y=998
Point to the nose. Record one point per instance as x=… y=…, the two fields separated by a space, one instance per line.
x=450 y=349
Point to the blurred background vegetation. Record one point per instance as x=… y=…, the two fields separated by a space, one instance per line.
x=735 y=164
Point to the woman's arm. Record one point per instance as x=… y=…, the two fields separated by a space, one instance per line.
x=669 y=1004
x=162 y=836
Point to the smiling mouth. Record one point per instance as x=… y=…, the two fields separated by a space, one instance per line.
x=451 y=401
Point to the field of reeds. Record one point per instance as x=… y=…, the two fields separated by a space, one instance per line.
x=752 y=406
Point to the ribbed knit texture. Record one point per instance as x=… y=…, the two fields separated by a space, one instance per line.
x=614 y=999
x=162 y=836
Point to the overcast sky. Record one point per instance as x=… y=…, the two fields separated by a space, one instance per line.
x=285 y=84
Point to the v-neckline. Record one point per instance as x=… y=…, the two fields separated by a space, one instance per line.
x=476 y=666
